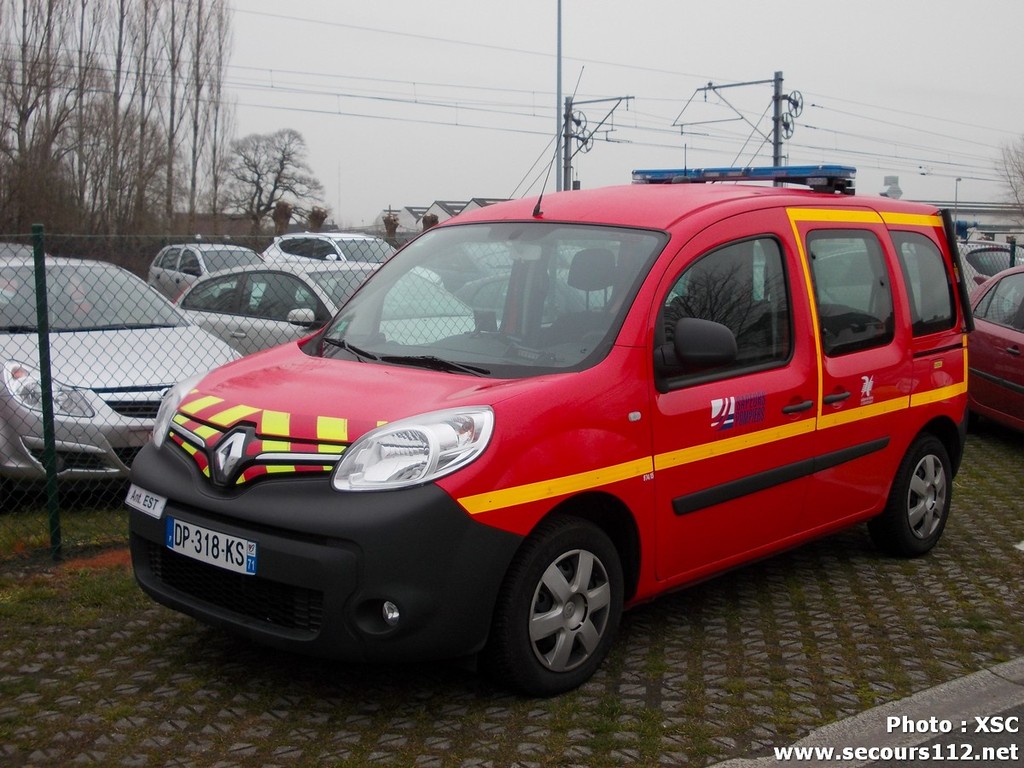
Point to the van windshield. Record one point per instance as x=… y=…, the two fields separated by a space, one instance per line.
x=506 y=299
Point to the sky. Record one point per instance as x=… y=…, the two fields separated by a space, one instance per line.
x=402 y=103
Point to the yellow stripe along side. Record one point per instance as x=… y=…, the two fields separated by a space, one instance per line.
x=561 y=486
x=558 y=486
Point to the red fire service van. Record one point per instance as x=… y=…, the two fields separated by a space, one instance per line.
x=545 y=411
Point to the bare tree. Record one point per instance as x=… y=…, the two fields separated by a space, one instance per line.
x=207 y=116
x=267 y=168
x=86 y=80
x=221 y=122
x=316 y=218
x=1013 y=173
x=38 y=97
x=95 y=96
x=150 y=68
x=177 y=16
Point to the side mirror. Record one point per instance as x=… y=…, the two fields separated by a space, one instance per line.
x=303 y=317
x=697 y=345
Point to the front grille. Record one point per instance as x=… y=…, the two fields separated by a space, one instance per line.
x=268 y=601
x=80 y=461
x=135 y=409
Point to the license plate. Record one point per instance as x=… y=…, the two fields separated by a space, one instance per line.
x=144 y=501
x=229 y=552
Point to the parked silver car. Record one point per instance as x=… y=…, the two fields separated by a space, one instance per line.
x=328 y=246
x=256 y=307
x=176 y=267
x=115 y=347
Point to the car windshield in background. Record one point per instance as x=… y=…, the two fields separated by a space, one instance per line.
x=227 y=258
x=508 y=299
x=82 y=298
x=338 y=284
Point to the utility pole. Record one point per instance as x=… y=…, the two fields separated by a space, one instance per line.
x=558 y=97
x=575 y=127
x=566 y=177
x=785 y=109
x=777 y=120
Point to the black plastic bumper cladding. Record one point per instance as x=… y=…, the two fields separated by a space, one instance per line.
x=326 y=563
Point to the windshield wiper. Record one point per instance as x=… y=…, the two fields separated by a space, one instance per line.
x=435 y=363
x=360 y=354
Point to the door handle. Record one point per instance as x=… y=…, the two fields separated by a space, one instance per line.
x=238 y=334
x=1013 y=351
x=798 y=407
x=838 y=397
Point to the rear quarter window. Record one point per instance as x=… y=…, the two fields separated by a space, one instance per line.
x=1004 y=303
x=932 y=307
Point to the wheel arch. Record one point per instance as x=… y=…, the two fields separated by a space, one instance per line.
x=612 y=516
x=951 y=435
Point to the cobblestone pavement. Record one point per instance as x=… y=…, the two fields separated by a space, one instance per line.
x=92 y=672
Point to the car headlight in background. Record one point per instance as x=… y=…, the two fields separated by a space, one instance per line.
x=26 y=387
x=415 y=450
x=169 y=406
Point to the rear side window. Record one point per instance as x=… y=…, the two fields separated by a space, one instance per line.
x=1004 y=304
x=932 y=307
x=853 y=290
x=322 y=250
x=272 y=296
x=190 y=264
x=297 y=246
x=220 y=295
x=743 y=287
x=169 y=260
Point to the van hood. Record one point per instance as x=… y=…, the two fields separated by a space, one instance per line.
x=364 y=395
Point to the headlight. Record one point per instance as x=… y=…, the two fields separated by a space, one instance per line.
x=169 y=406
x=26 y=386
x=415 y=450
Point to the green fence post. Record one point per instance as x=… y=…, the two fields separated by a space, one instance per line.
x=1013 y=249
x=46 y=383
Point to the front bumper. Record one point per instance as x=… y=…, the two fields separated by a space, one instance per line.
x=98 y=448
x=327 y=562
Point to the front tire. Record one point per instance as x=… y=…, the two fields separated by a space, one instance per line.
x=918 y=506
x=558 y=610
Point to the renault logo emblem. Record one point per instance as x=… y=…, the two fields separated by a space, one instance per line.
x=228 y=455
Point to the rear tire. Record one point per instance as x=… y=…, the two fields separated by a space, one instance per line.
x=918 y=505
x=558 y=611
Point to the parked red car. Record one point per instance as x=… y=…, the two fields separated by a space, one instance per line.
x=996 y=374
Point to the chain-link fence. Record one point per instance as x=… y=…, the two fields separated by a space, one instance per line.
x=94 y=330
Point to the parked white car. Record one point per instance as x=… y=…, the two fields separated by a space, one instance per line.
x=328 y=246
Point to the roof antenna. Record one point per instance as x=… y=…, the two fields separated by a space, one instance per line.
x=547 y=174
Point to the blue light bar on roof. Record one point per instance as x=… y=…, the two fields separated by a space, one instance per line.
x=832 y=178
